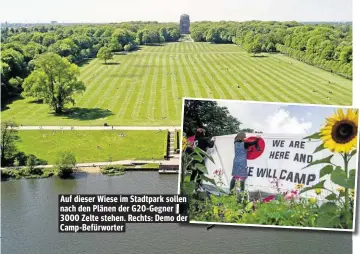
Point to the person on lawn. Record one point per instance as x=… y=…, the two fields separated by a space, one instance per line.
x=239 y=170
x=202 y=142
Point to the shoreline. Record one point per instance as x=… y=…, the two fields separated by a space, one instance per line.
x=50 y=171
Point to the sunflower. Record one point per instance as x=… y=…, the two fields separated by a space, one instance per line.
x=340 y=131
x=184 y=143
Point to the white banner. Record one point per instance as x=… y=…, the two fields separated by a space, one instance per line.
x=278 y=165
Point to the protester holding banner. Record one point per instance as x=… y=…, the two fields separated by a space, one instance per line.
x=239 y=170
x=202 y=142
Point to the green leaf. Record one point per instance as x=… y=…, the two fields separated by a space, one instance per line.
x=189 y=187
x=319 y=148
x=313 y=136
x=201 y=152
x=326 y=160
x=207 y=179
x=329 y=208
x=353 y=152
x=326 y=170
x=249 y=206
x=201 y=167
x=327 y=220
x=198 y=158
x=338 y=176
x=319 y=185
x=352 y=178
x=331 y=197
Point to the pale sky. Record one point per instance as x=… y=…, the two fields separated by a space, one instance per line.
x=279 y=118
x=104 y=11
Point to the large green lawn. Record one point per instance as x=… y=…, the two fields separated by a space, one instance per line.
x=94 y=146
x=145 y=87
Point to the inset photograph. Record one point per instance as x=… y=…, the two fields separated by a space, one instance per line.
x=269 y=164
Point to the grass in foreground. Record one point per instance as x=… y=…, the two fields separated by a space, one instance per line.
x=94 y=146
x=145 y=87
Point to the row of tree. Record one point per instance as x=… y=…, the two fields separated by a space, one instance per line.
x=21 y=46
x=210 y=116
x=328 y=46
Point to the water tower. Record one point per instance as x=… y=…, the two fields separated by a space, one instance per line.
x=184 y=24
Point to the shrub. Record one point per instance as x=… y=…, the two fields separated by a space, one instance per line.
x=16 y=163
x=127 y=47
x=31 y=163
x=65 y=163
x=113 y=170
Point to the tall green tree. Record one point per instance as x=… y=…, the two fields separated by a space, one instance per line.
x=105 y=54
x=65 y=163
x=9 y=135
x=54 y=80
x=209 y=115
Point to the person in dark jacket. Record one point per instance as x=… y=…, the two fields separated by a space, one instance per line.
x=202 y=142
x=239 y=170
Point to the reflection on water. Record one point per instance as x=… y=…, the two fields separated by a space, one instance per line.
x=29 y=223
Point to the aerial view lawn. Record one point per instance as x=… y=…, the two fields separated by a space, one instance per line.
x=145 y=87
x=94 y=146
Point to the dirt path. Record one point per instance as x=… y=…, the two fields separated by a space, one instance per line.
x=130 y=128
x=96 y=166
x=90 y=170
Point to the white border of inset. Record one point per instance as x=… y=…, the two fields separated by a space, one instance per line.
x=271 y=226
x=356 y=102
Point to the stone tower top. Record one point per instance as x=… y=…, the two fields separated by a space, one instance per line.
x=184 y=24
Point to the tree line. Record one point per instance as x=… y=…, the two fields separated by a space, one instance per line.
x=23 y=46
x=328 y=46
x=216 y=120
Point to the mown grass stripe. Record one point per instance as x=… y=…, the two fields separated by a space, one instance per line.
x=251 y=72
x=116 y=86
x=130 y=87
x=164 y=101
x=151 y=107
x=291 y=82
x=139 y=98
x=194 y=73
x=223 y=79
x=174 y=89
x=321 y=83
x=189 y=79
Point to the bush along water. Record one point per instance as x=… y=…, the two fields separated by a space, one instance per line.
x=325 y=209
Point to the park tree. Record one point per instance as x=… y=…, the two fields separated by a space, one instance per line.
x=48 y=39
x=65 y=163
x=197 y=35
x=163 y=33
x=346 y=54
x=115 y=45
x=54 y=80
x=31 y=165
x=162 y=39
x=65 y=47
x=104 y=54
x=209 y=115
x=15 y=60
x=9 y=135
x=127 y=47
